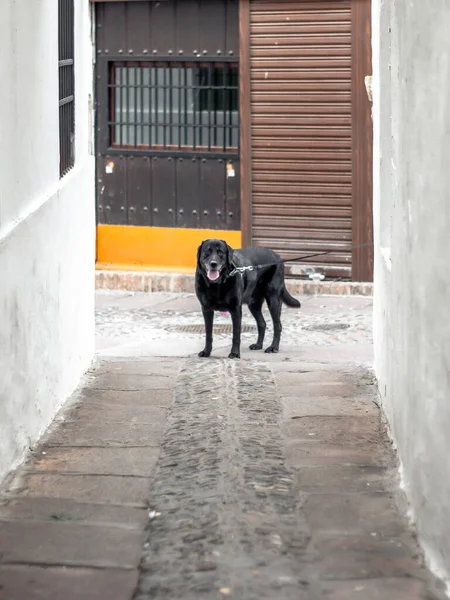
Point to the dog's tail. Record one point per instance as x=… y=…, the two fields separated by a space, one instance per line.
x=288 y=299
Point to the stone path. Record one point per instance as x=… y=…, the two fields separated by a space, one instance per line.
x=227 y=507
x=168 y=476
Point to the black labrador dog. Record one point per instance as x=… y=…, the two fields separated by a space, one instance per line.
x=218 y=288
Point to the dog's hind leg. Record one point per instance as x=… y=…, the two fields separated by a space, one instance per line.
x=208 y=316
x=274 y=304
x=255 y=307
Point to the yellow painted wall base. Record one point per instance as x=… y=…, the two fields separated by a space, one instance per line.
x=158 y=249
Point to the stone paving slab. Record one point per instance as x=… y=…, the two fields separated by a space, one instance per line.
x=51 y=509
x=379 y=589
x=363 y=557
x=340 y=430
x=98 y=461
x=105 y=434
x=26 y=582
x=142 y=366
x=138 y=399
x=148 y=413
x=298 y=407
x=125 y=491
x=298 y=454
x=137 y=382
x=350 y=514
x=69 y=544
x=336 y=479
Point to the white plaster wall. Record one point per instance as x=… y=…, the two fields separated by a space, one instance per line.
x=47 y=226
x=411 y=54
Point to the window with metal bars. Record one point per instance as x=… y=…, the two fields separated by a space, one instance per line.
x=66 y=64
x=174 y=106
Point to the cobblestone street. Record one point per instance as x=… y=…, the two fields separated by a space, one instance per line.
x=173 y=477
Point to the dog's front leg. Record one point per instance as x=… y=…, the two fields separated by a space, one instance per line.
x=236 y=318
x=208 y=316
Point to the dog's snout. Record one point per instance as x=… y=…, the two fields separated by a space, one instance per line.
x=213 y=264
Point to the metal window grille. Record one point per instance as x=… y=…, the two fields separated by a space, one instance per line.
x=174 y=106
x=66 y=54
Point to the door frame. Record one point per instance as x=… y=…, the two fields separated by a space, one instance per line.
x=362 y=136
x=245 y=116
x=362 y=143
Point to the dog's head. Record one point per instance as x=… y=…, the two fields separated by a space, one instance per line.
x=214 y=260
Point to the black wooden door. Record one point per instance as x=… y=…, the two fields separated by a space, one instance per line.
x=167 y=118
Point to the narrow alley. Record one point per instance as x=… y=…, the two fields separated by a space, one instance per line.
x=169 y=476
x=134 y=131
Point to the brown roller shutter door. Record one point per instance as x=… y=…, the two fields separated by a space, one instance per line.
x=301 y=132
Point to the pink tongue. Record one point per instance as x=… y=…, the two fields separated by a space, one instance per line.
x=213 y=275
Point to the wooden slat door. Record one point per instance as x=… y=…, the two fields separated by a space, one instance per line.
x=301 y=130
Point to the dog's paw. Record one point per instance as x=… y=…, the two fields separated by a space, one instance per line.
x=271 y=350
x=204 y=354
x=234 y=355
x=255 y=347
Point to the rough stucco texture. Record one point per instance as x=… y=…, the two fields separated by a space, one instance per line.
x=412 y=218
x=47 y=227
x=46 y=324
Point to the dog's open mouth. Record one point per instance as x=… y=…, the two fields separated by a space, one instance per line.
x=213 y=274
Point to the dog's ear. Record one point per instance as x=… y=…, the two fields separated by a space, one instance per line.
x=229 y=253
x=199 y=251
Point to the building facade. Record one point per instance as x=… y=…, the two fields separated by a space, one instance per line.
x=47 y=218
x=242 y=119
x=411 y=87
